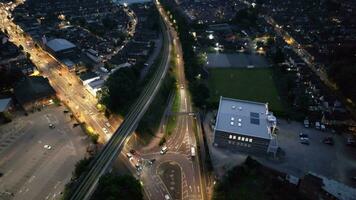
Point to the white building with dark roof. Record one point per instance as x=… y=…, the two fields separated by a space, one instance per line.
x=95 y=86
x=245 y=125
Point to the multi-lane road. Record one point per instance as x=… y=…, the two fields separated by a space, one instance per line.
x=66 y=84
x=191 y=185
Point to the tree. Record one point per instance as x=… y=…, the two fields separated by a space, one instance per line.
x=109 y=23
x=246 y=17
x=278 y=56
x=112 y=186
x=81 y=166
x=201 y=94
x=120 y=89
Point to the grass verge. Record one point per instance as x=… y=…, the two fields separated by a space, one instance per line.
x=247 y=84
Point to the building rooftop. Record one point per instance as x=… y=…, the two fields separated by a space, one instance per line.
x=244 y=118
x=97 y=84
x=60 y=44
x=88 y=75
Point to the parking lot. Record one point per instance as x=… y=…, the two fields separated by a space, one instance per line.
x=336 y=161
x=36 y=160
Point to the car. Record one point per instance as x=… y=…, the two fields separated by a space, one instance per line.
x=328 y=140
x=303 y=135
x=182 y=87
x=138 y=167
x=166 y=197
x=323 y=127
x=304 y=141
x=164 y=150
x=317 y=125
x=107 y=124
x=47 y=147
x=105 y=130
x=129 y=155
x=306 y=123
x=51 y=126
x=351 y=141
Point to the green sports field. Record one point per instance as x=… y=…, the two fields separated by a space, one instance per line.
x=246 y=84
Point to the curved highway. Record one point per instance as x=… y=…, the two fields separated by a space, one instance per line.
x=112 y=149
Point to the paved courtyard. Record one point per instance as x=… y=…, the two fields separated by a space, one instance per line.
x=337 y=162
x=31 y=171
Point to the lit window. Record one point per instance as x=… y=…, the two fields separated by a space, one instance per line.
x=230 y=136
x=239 y=138
x=234 y=137
x=250 y=140
x=243 y=138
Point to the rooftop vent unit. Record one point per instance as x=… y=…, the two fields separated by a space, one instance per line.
x=239 y=124
x=231 y=123
x=233 y=107
x=240 y=108
x=240 y=120
x=232 y=118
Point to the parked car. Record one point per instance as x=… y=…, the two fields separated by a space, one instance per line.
x=317 y=125
x=47 y=147
x=164 y=150
x=51 y=126
x=306 y=123
x=328 y=140
x=304 y=141
x=303 y=135
x=350 y=140
x=304 y=138
x=322 y=127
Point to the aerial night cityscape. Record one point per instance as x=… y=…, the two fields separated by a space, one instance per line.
x=178 y=99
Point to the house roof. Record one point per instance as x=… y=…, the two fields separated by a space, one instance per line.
x=88 y=75
x=244 y=118
x=33 y=88
x=60 y=44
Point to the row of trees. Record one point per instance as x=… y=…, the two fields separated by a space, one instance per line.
x=194 y=71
